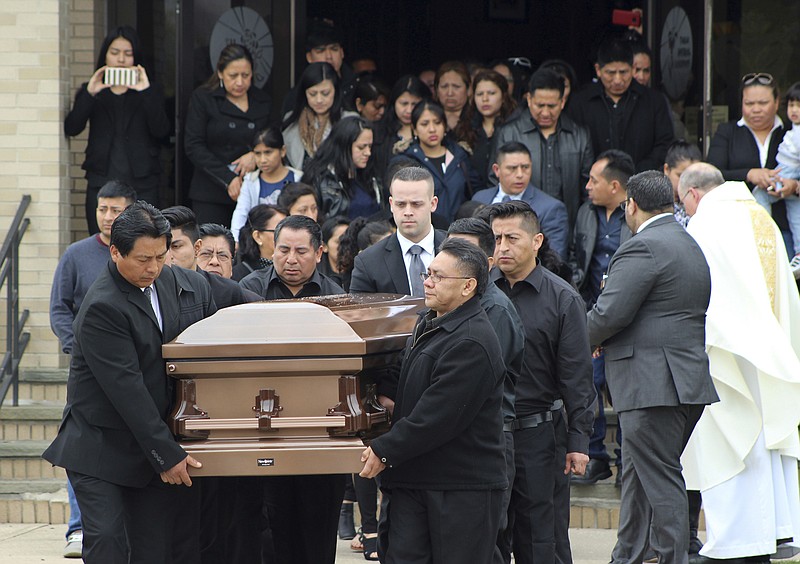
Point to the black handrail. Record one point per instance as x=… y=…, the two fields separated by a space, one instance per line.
x=16 y=340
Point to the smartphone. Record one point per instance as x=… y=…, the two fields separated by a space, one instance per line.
x=627 y=18
x=117 y=76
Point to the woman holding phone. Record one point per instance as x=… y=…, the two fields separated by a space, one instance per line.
x=126 y=122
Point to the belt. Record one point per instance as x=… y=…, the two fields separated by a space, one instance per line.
x=534 y=420
x=528 y=422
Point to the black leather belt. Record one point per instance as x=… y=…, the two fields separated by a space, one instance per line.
x=528 y=422
x=534 y=420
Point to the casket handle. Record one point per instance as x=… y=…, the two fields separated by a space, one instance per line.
x=275 y=424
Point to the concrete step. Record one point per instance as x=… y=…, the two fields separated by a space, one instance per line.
x=32 y=487
x=42 y=384
x=31 y=420
x=50 y=509
x=22 y=460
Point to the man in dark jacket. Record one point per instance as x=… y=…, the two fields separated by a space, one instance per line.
x=444 y=455
x=114 y=440
x=622 y=114
x=560 y=148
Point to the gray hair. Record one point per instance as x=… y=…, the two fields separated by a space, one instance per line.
x=702 y=176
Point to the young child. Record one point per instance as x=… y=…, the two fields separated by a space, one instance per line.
x=788 y=167
x=263 y=185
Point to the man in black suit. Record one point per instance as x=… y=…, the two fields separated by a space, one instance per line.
x=651 y=320
x=114 y=441
x=393 y=265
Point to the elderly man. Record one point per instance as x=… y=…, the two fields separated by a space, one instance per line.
x=444 y=455
x=744 y=452
x=650 y=318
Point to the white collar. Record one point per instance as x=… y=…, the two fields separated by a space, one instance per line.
x=775 y=125
x=652 y=219
x=426 y=243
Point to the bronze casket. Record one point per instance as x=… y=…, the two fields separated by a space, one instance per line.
x=286 y=387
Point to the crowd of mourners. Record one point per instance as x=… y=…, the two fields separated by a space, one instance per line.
x=363 y=187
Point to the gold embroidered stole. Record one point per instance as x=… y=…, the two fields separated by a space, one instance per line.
x=764 y=232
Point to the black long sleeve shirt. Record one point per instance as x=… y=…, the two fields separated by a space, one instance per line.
x=557 y=362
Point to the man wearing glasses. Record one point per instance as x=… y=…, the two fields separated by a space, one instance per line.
x=444 y=458
x=184 y=252
x=650 y=320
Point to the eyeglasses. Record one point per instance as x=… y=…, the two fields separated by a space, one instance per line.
x=682 y=199
x=436 y=278
x=520 y=61
x=624 y=204
x=207 y=254
x=757 y=78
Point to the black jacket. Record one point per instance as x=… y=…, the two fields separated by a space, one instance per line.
x=267 y=284
x=582 y=247
x=335 y=199
x=218 y=133
x=734 y=152
x=145 y=123
x=575 y=156
x=119 y=396
x=447 y=429
x=646 y=126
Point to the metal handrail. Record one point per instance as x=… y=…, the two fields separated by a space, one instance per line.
x=16 y=339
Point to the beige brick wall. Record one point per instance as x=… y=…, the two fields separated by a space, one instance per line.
x=48 y=48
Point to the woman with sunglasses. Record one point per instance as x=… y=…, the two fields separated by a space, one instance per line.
x=746 y=149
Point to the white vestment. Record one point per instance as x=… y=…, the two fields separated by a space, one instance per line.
x=744 y=451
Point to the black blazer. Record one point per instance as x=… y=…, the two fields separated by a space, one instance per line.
x=217 y=133
x=381 y=269
x=145 y=123
x=119 y=396
x=734 y=152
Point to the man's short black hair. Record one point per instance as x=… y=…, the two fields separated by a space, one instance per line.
x=476 y=227
x=619 y=166
x=511 y=148
x=183 y=218
x=520 y=209
x=301 y=223
x=470 y=260
x=546 y=79
x=652 y=191
x=614 y=50
x=217 y=230
x=140 y=219
x=320 y=33
x=117 y=189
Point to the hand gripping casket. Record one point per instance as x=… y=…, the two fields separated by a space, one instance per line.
x=286 y=387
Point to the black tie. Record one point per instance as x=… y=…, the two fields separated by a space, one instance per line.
x=415 y=271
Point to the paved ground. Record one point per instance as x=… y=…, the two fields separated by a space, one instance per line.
x=42 y=544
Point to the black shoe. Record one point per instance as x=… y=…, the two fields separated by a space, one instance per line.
x=595 y=470
x=698 y=559
x=695 y=544
x=347 y=529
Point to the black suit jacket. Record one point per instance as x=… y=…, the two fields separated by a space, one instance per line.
x=381 y=269
x=119 y=396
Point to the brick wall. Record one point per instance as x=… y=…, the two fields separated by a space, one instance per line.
x=48 y=48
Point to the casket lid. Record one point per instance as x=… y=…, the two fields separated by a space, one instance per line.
x=324 y=326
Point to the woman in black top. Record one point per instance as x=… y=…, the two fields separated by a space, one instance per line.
x=126 y=123
x=257 y=240
x=224 y=115
x=341 y=171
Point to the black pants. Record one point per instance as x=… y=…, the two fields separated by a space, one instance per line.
x=121 y=522
x=442 y=527
x=303 y=514
x=502 y=552
x=367 y=496
x=539 y=509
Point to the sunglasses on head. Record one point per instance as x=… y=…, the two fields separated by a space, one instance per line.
x=757 y=78
x=520 y=61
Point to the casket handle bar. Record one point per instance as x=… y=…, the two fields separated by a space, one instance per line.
x=187 y=412
x=350 y=409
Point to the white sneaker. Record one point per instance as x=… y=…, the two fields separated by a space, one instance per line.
x=74 y=548
x=794 y=264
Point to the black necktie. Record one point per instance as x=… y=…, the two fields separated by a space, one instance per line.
x=415 y=271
